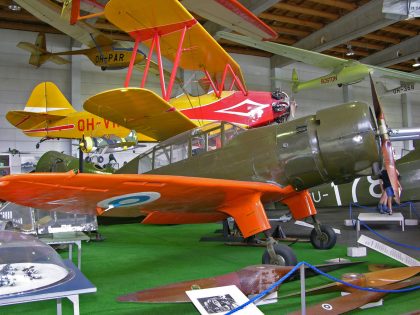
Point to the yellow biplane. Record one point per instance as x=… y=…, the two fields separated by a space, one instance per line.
x=49 y=115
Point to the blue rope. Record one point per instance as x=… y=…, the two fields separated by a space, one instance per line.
x=376 y=233
x=387 y=239
x=281 y=280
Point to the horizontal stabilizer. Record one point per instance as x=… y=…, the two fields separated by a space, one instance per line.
x=26 y=120
x=141 y=110
x=33 y=49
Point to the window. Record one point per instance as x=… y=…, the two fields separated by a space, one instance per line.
x=179 y=152
x=145 y=163
x=162 y=157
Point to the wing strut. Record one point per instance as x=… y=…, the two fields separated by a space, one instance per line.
x=166 y=93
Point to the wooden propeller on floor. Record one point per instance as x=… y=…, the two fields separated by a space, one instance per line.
x=354 y=300
x=373 y=279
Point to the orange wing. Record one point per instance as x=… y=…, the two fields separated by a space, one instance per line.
x=165 y=199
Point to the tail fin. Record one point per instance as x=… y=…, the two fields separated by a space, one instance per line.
x=39 y=53
x=295 y=81
x=47 y=97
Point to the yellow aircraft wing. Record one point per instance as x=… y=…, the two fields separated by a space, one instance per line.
x=168 y=17
x=141 y=110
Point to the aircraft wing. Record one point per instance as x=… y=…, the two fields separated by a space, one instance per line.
x=201 y=51
x=233 y=15
x=141 y=110
x=165 y=199
x=298 y=54
x=395 y=74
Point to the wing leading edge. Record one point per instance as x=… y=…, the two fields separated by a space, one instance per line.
x=164 y=199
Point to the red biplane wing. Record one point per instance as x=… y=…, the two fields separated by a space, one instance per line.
x=233 y=15
x=200 y=50
x=165 y=199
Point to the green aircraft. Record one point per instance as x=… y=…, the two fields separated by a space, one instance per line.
x=344 y=72
x=366 y=190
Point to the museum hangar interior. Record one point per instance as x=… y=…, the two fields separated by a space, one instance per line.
x=291 y=174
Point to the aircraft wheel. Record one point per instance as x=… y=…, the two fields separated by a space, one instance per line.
x=9 y=226
x=326 y=240
x=88 y=159
x=285 y=255
x=100 y=159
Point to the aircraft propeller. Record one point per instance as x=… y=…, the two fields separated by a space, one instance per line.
x=386 y=146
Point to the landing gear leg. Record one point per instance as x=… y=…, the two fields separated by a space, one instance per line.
x=322 y=236
x=278 y=254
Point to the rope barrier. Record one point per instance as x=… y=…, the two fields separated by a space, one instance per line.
x=282 y=279
x=376 y=233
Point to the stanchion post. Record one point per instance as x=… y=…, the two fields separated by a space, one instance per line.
x=302 y=290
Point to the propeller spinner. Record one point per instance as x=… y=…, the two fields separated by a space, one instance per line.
x=386 y=146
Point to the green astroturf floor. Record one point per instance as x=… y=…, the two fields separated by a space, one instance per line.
x=135 y=257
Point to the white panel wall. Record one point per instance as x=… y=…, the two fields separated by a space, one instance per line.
x=18 y=79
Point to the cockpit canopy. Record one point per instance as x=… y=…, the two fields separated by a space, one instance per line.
x=188 y=144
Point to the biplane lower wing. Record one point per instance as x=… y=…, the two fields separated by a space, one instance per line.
x=165 y=199
x=141 y=110
x=25 y=120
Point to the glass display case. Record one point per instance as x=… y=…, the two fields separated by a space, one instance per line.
x=27 y=264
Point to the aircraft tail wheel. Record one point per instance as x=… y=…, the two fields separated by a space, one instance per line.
x=100 y=159
x=88 y=159
x=326 y=239
x=283 y=256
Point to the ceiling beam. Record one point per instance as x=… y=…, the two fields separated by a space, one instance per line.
x=344 y=51
x=337 y=4
x=406 y=50
x=364 y=20
x=382 y=38
x=291 y=20
x=399 y=30
x=358 y=43
x=39 y=28
x=255 y=6
x=290 y=31
x=308 y=11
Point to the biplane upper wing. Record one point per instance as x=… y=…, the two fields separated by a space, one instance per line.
x=141 y=110
x=143 y=18
x=165 y=199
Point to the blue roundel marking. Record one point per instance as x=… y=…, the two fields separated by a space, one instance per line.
x=129 y=201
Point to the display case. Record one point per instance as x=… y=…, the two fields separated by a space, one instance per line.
x=4 y=165
x=27 y=264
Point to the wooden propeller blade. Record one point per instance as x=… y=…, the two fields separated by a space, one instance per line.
x=250 y=280
x=354 y=300
x=373 y=279
x=387 y=151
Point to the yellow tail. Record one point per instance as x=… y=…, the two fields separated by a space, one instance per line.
x=46 y=103
x=46 y=97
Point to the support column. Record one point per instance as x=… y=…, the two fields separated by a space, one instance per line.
x=275 y=78
x=407 y=118
x=347 y=93
x=75 y=85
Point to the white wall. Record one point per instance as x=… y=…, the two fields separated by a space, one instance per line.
x=18 y=79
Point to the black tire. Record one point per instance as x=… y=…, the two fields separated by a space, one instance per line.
x=100 y=159
x=88 y=159
x=285 y=253
x=326 y=240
